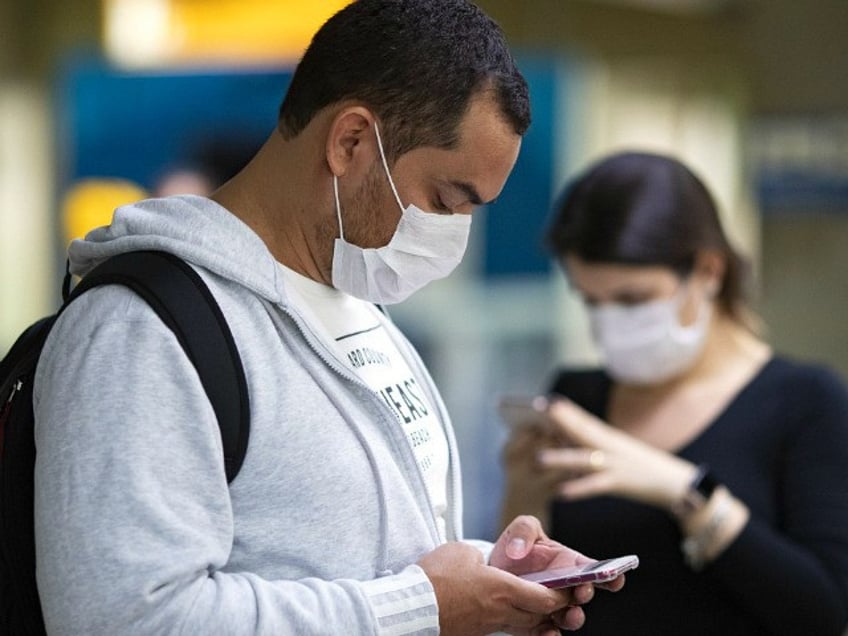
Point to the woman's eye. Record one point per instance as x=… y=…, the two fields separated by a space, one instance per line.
x=631 y=301
x=621 y=301
x=591 y=302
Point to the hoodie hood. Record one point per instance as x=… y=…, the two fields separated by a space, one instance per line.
x=195 y=228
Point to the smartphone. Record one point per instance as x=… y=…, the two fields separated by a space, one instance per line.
x=596 y=572
x=522 y=411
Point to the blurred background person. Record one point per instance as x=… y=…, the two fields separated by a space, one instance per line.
x=183 y=179
x=722 y=464
x=209 y=166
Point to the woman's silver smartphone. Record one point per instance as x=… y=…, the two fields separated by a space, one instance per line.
x=522 y=411
x=597 y=572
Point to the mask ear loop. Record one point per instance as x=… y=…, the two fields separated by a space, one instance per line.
x=386 y=166
x=338 y=205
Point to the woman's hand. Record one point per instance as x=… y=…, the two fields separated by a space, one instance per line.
x=529 y=486
x=600 y=460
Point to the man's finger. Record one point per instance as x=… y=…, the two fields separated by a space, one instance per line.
x=570 y=618
x=520 y=535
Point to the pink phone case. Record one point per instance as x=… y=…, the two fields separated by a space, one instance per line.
x=596 y=572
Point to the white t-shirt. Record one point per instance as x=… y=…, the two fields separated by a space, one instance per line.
x=355 y=331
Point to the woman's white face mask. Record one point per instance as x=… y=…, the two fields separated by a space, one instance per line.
x=425 y=247
x=645 y=343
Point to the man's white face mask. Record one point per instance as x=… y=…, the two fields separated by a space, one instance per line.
x=645 y=343
x=425 y=247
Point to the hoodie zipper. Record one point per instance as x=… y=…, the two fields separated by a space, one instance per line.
x=314 y=344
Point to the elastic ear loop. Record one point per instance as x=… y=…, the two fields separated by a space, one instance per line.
x=386 y=166
x=338 y=205
x=388 y=174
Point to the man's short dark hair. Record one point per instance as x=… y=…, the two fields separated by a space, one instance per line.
x=415 y=63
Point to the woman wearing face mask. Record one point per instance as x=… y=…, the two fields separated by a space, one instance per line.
x=722 y=465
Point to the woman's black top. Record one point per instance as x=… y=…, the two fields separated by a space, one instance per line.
x=781 y=446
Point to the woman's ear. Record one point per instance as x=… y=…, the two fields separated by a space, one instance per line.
x=710 y=266
x=351 y=131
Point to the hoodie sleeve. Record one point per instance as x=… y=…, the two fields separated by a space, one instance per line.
x=132 y=510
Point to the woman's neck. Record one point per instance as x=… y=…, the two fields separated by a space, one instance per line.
x=671 y=414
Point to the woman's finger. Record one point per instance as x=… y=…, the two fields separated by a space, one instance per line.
x=577 y=460
x=591 y=485
x=584 y=429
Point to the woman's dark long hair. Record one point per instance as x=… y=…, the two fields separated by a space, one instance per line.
x=637 y=208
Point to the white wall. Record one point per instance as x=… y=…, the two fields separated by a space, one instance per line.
x=26 y=199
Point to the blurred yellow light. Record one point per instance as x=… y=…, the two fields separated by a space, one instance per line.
x=146 y=32
x=90 y=203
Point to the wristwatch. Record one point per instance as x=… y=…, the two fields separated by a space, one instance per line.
x=699 y=492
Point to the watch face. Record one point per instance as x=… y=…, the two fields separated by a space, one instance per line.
x=700 y=490
x=706 y=484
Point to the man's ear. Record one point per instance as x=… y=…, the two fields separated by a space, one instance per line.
x=350 y=140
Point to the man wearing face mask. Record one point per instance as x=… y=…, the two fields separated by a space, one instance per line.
x=722 y=465
x=345 y=517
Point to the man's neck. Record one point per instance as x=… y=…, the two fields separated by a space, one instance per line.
x=276 y=195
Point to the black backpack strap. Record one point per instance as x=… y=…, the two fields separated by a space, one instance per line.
x=182 y=300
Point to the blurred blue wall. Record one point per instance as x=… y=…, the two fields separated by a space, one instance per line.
x=116 y=123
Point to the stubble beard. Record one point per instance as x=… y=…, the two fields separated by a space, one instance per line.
x=371 y=217
x=364 y=217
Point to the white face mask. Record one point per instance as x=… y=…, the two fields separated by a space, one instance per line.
x=646 y=344
x=425 y=247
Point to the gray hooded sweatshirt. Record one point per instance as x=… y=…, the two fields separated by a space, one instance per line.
x=137 y=530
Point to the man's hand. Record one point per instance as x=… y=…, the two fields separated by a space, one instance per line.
x=524 y=547
x=475 y=598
